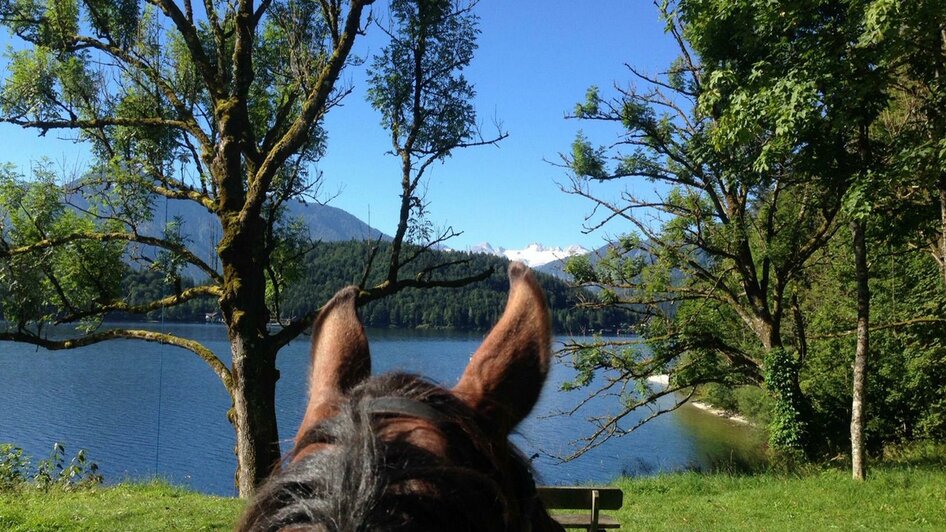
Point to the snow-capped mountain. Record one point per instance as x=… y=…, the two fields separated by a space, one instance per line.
x=533 y=255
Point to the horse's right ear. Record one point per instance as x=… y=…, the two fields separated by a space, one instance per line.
x=339 y=358
x=505 y=375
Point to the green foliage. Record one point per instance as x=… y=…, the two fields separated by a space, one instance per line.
x=315 y=276
x=142 y=286
x=754 y=403
x=751 y=402
x=587 y=161
x=14 y=466
x=53 y=281
x=581 y=270
x=289 y=260
x=220 y=106
x=17 y=471
x=908 y=382
x=789 y=425
x=720 y=396
x=779 y=123
x=418 y=86
x=31 y=77
x=591 y=359
x=416 y=81
x=737 y=208
x=119 y=18
x=591 y=106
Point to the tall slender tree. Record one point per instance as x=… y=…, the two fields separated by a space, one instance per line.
x=417 y=85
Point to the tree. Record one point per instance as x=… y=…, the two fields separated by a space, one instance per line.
x=905 y=390
x=752 y=142
x=912 y=43
x=220 y=106
x=417 y=85
x=809 y=51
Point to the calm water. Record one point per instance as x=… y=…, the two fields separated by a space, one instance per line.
x=144 y=410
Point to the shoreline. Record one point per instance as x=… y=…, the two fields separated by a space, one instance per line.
x=736 y=418
x=664 y=380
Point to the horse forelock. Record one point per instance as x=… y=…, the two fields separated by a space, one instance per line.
x=370 y=468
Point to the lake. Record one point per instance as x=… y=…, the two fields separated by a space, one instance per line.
x=143 y=410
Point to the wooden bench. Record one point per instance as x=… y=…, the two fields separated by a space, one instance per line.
x=591 y=498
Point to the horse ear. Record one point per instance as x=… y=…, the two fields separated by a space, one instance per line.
x=339 y=357
x=505 y=375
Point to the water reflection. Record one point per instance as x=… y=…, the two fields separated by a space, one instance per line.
x=729 y=445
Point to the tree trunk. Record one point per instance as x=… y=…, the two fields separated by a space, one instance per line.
x=861 y=276
x=243 y=303
x=254 y=416
x=788 y=431
x=942 y=228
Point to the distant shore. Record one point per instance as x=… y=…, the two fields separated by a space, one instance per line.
x=664 y=380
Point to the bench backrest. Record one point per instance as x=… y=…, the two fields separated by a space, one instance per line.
x=580 y=497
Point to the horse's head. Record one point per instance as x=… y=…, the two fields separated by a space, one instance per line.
x=397 y=452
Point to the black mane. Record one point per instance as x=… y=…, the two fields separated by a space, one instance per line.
x=361 y=482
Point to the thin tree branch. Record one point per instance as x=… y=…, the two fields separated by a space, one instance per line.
x=218 y=367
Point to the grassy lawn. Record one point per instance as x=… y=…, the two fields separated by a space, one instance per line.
x=133 y=507
x=896 y=497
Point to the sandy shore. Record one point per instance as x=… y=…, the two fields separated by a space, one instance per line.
x=721 y=413
x=664 y=380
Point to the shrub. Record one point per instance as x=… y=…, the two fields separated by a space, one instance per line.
x=720 y=396
x=14 y=466
x=16 y=470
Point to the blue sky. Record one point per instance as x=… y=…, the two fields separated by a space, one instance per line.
x=535 y=61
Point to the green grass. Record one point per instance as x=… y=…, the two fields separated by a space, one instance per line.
x=897 y=496
x=894 y=498
x=134 y=507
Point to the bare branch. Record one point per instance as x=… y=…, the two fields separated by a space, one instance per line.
x=312 y=109
x=218 y=367
x=165 y=302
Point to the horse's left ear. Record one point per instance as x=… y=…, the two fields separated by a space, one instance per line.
x=339 y=358
x=505 y=375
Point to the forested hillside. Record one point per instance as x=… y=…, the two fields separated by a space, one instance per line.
x=338 y=264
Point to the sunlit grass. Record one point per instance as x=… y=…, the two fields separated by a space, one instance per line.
x=894 y=498
x=134 y=507
x=905 y=493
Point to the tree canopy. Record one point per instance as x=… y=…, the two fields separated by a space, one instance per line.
x=745 y=161
x=220 y=104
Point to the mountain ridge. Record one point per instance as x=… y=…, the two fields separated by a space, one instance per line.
x=201 y=229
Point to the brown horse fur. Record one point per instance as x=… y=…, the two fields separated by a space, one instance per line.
x=354 y=467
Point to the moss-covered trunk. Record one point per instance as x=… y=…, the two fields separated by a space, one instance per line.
x=941 y=244
x=254 y=359
x=254 y=415
x=242 y=254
